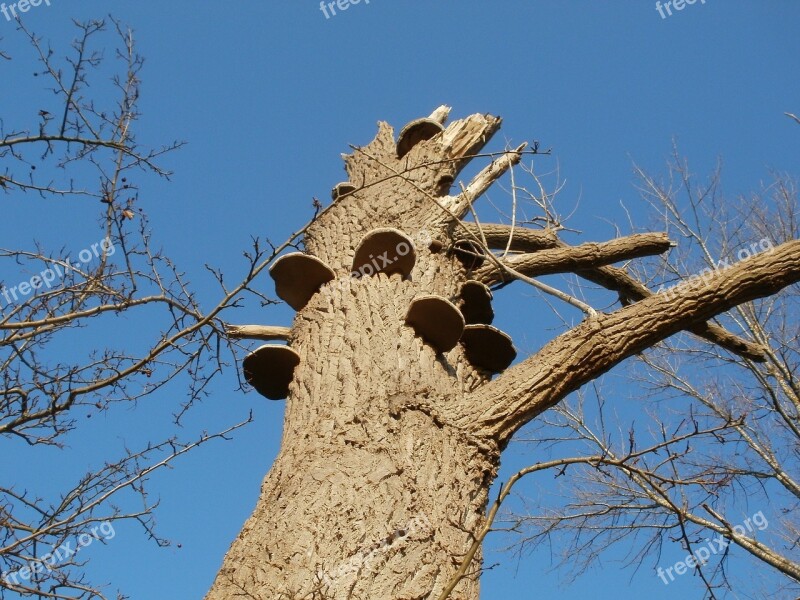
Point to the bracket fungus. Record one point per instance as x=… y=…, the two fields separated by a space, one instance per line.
x=340 y=189
x=444 y=184
x=270 y=370
x=298 y=277
x=415 y=132
x=469 y=253
x=385 y=250
x=476 y=303
x=436 y=320
x=435 y=246
x=488 y=348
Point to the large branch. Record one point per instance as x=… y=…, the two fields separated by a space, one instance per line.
x=567 y=259
x=584 y=353
x=459 y=205
x=612 y=278
x=496 y=236
x=629 y=289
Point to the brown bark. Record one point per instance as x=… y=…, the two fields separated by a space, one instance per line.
x=389 y=448
x=568 y=259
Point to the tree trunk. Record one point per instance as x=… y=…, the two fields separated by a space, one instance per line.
x=374 y=493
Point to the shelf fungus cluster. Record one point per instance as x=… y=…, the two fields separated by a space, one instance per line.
x=443 y=325
x=270 y=368
x=440 y=322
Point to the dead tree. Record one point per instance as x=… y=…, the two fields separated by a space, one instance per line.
x=394 y=425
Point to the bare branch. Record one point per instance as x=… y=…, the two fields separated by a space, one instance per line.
x=459 y=205
x=258 y=332
x=573 y=258
x=497 y=236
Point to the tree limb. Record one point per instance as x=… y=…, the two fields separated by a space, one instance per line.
x=580 y=355
x=460 y=204
x=571 y=258
x=497 y=236
x=609 y=277
x=257 y=332
x=629 y=290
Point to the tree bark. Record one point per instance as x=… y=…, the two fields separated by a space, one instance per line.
x=374 y=494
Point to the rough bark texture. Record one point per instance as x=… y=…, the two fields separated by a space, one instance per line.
x=374 y=493
x=389 y=448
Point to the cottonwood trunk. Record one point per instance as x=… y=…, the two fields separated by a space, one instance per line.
x=375 y=493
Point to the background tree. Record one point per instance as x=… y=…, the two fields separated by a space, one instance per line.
x=388 y=423
x=83 y=150
x=720 y=438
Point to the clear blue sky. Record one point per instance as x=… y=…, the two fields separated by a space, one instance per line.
x=269 y=94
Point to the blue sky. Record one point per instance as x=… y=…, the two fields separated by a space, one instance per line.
x=268 y=95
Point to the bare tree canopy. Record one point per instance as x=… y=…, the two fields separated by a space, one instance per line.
x=719 y=445
x=86 y=149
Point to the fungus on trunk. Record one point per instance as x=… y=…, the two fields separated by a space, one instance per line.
x=476 y=303
x=385 y=250
x=270 y=370
x=488 y=348
x=415 y=132
x=298 y=277
x=436 y=320
x=342 y=189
